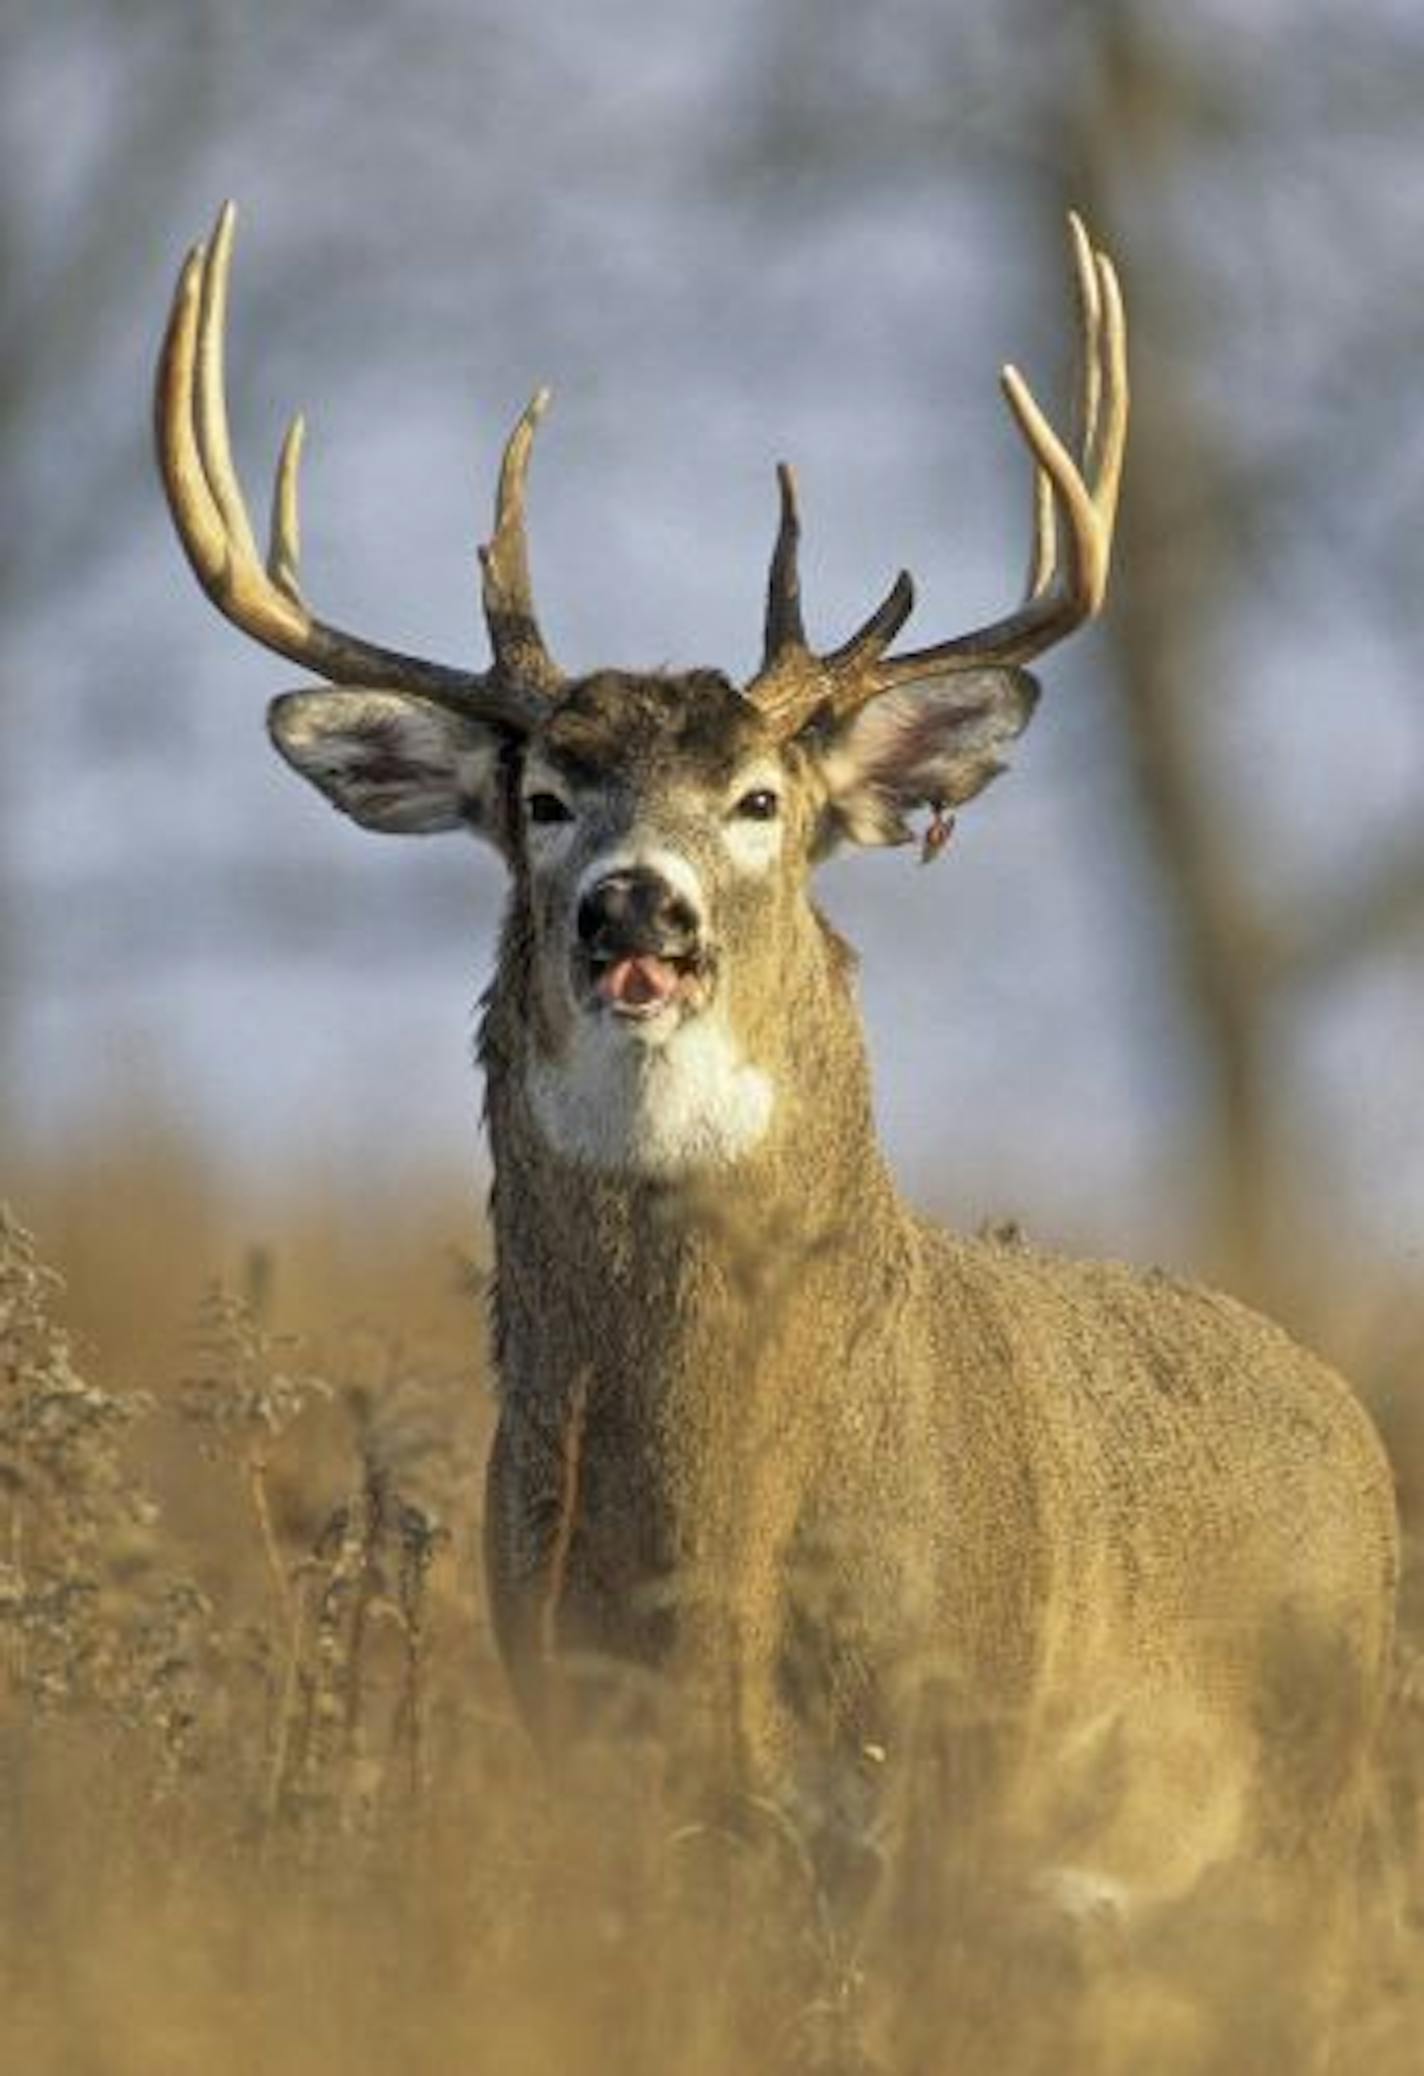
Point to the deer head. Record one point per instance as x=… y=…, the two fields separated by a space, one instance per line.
x=660 y=829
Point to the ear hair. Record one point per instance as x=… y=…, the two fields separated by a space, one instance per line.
x=934 y=741
x=394 y=761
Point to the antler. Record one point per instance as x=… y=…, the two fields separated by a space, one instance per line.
x=519 y=651
x=1075 y=501
x=210 y=513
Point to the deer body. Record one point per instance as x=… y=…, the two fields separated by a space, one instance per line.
x=801 y=1456
x=819 y=1486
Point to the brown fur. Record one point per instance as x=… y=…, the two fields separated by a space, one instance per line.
x=836 y=1467
x=838 y=1504
x=841 y=1503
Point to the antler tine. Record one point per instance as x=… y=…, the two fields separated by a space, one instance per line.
x=1112 y=432
x=785 y=629
x=874 y=636
x=210 y=512
x=210 y=394
x=1045 y=529
x=185 y=477
x=1045 y=534
x=284 y=550
x=1090 y=303
x=518 y=646
x=794 y=682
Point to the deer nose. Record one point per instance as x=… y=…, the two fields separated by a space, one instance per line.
x=637 y=910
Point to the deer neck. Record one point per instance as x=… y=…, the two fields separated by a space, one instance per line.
x=649 y=1272
x=666 y=1343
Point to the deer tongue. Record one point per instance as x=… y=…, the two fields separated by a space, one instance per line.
x=639 y=981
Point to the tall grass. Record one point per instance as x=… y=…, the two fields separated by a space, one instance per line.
x=263 y=1801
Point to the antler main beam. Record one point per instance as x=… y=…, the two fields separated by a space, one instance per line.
x=264 y=599
x=1075 y=503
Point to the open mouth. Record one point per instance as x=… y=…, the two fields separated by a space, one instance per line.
x=639 y=986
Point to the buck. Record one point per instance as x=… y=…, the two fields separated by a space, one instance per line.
x=768 y=1443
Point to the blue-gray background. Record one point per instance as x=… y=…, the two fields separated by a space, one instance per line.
x=1165 y=993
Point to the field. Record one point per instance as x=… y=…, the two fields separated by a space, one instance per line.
x=263 y=1803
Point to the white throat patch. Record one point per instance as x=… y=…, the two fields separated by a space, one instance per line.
x=615 y=1101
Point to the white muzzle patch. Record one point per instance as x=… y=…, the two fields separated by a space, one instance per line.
x=620 y=1100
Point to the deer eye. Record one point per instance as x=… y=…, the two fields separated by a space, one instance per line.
x=760 y=805
x=547 y=808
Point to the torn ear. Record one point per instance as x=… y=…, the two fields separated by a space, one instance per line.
x=937 y=740
x=394 y=761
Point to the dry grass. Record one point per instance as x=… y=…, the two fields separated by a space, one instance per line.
x=263 y=1804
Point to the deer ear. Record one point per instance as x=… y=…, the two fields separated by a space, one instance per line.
x=393 y=761
x=935 y=740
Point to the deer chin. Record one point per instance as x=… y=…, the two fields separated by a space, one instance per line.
x=666 y=1094
x=648 y=1077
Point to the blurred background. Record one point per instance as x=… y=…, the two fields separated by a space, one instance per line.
x=1165 y=996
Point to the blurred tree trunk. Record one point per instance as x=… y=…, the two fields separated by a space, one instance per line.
x=1189 y=514
x=1174 y=559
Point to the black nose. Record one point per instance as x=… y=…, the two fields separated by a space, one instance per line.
x=637 y=911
